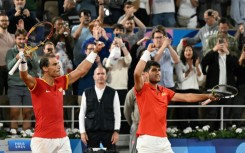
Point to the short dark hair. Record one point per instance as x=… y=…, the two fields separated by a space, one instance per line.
x=85 y=12
x=127 y=3
x=44 y=61
x=151 y=63
x=223 y=21
x=158 y=29
x=117 y=26
x=19 y=32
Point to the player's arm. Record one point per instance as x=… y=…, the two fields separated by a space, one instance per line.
x=138 y=80
x=190 y=97
x=27 y=78
x=86 y=64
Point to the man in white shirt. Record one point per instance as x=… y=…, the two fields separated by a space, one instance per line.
x=100 y=116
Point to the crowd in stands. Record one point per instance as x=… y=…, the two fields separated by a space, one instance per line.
x=80 y=24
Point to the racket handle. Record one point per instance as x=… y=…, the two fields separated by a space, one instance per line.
x=206 y=102
x=11 y=72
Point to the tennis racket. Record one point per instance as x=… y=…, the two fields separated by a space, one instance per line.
x=222 y=91
x=36 y=37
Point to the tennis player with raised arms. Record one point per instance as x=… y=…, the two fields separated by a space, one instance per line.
x=47 y=100
x=153 y=100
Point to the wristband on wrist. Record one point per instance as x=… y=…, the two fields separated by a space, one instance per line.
x=23 y=66
x=91 y=57
x=146 y=56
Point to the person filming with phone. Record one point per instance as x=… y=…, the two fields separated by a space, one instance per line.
x=220 y=66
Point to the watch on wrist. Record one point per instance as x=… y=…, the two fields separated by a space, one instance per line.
x=117 y=131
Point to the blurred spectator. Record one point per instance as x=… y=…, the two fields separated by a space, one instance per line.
x=142 y=13
x=70 y=13
x=88 y=81
x=100 y=115
x=6 y=4
x=114 y=11
x=18 y=93
x=20 y=12
x=189 y=74
x=219 y=66
x=118 y=31
x=135 y=52
x=205 y=5
x=163 y=13
x=210 y=28
x=187 y=15
x=240 y=35
x=117 y=65
x=62 y=36
x=212 y=42
x=7 y=41
x=131 y=113
x=128 y=21
x=166 y=56
x=99 y=35
x=240 y=99
x=237 y=11
x=87 y=5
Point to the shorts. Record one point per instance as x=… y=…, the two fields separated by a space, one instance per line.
x=153 y=144
x=19 y=96
x=50 y=145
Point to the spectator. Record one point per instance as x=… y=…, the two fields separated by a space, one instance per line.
x=70 y=13
x=240 y=36
x=189 y=74
x=128 y=21
x=99 y=35
x=240 y=99
x=99 y=118
x=18 y=92
x=142 y=13
x=118 y=31
x=6 y=42
x=62 y=36
x=131 y=113
x=163 y=13
x=205 y=5
x=237 y=11
x=115 y=11
x=187 y=15
x=135 y=52
x=210 y=28
x=87 y=5
x=219 y=66
x=223 y=32
x=20 y=12
x=88 y=81
x=166 y=56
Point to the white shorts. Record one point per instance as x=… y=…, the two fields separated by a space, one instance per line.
x=46 y=145
x=153 y=144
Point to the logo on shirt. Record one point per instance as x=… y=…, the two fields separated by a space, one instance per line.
x=163 y=94
x=47 y=91
x=60 y=89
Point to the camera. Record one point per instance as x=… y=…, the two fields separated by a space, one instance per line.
x=22 y=11
x=221 y=40
x=66 y=24
x=117 y=35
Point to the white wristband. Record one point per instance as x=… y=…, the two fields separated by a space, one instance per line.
x=91 y=57
x=146 y=56
x=23 y=66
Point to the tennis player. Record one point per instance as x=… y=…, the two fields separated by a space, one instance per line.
x=153 y=100
x=47 y=100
